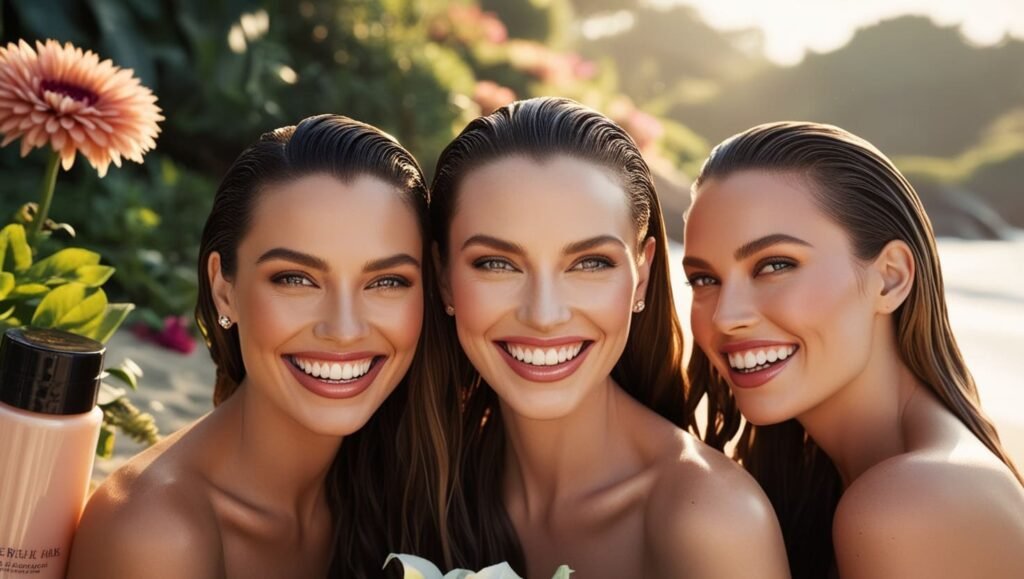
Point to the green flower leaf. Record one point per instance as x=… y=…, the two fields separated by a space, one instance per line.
x=92 y=275
x=62 y=265
x=109 y=394
x=7 y=314
x=6 y=284
x=128 y=372
x=102 y=327
x=15 y=253
x=70 y=307
x=562 y=572
x=105 y=445
x=29 y=290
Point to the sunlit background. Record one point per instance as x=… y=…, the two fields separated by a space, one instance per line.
x=936 y=84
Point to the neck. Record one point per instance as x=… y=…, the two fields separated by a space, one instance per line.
x=275 y=463
x=863 y=423
x=549 y=461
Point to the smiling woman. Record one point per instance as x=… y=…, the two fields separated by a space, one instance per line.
x=818 y=312
x=312 y=293
x=554 y=267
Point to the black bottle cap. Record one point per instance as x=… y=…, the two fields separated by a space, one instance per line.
x=50 y=371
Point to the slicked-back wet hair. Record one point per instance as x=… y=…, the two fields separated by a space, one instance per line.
x=650 y=368
x=860 y=189
x=384 y=485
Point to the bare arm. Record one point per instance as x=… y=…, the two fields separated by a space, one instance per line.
x=154 y=534
x=922 y=520
x=717 y=524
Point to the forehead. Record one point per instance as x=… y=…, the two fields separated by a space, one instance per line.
x=358 y=220
x=747 y=205
x=526 y=200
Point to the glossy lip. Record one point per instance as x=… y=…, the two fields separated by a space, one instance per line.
x=544 y=373
x=336 y=390
x=755 y=379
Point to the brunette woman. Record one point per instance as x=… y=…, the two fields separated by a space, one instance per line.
x=319 y=456
x=818 y=312
x=555 y=272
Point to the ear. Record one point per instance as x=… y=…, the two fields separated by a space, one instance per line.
x=895 y=269
x=647 y=252
x=222 y=289
x=442 y=274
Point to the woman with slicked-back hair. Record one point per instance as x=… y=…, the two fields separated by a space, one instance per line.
x=819 y=314
x=324 y=451
x=554 y=269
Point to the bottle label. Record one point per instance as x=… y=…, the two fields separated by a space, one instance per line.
x=19 y=562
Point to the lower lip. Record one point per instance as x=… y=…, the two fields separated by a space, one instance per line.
x=544 y=373
x=760 y=378
x=336 y=390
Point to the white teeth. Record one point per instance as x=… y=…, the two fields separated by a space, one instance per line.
x=334 y=370
x=756 y=358
x=544 y=356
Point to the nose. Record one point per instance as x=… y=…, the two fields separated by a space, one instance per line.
x=344 y=319
x=544 y=307
x=736 y=309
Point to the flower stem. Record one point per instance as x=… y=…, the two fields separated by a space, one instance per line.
x=45 y=198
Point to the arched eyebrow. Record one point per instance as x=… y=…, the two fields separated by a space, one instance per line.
x=750 y=248
x=390 y=262
x=298 y=257
x=317 y=263
x=514 y=248
x=761 y=243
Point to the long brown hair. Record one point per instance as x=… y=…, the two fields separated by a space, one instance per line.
x=385 y=487
x=861 y=190
x=650 y=368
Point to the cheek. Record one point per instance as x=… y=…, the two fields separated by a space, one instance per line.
x=607 y=303
x=401 y=321
x=269 y=319
x=479 y=304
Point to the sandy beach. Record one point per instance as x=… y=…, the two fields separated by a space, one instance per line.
x=985 y=293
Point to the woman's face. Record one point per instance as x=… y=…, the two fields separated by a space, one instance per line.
x=327 y=297
x=779 y=304
x=543 y=272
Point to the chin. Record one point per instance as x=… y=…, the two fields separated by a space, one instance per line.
x=763 y=412
x=550 y=405
x=335 y=422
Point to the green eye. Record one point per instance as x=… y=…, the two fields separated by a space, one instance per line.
x=389 y=282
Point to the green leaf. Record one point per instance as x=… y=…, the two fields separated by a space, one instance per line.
x=109 y=394
x=7 y=314
x=58 y=303
x=76 y=310
x=132 y=380
x=105 y=445
x=92 y=275
x=6 y=284
x=15 y=253
x=62 y=265
x=29 y=290
x=562 y=572
x=103 y=327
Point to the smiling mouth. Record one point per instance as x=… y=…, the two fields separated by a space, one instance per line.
x=759 y=359
x=545 y=357
x=335 y=372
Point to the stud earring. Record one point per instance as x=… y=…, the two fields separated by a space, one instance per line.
x=225 y=322
x=639 y=306
x=450 y=310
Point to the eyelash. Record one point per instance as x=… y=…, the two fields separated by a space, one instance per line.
x=283 y=279
x=500 y=264
x=390 y=282
x=699 y=280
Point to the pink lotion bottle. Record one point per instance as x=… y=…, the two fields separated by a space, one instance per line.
x=49 y=427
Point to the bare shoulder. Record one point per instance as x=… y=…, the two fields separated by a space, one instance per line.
x=703 y=510
x=926 y=515
x=151 y=518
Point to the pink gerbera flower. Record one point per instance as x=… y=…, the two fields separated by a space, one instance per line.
x=66 y=98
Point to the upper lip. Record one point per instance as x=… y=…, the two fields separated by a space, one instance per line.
x=543 y=342
x=336 y=357
x=733 y=347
